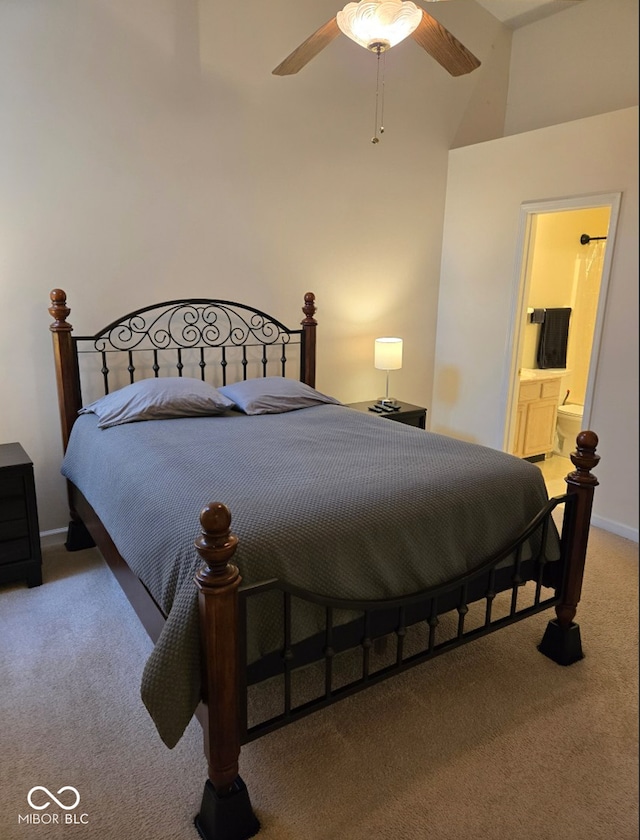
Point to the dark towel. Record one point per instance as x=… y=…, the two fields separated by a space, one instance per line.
x=554 y=334
x=537 y=316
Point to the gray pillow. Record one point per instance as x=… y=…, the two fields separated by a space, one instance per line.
x=273 y=395
x=162 y=398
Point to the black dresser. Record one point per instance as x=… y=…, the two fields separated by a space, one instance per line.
x=20 y=556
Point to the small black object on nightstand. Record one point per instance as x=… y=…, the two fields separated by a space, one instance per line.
x=410 y=415
x=20 y=554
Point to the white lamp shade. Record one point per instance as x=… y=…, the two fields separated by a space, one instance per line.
x=388 y=353
x=379 y=22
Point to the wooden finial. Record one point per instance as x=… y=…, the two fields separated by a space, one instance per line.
x=216 y=545
x=59 y=311
x=309 y=309
x=584 y=459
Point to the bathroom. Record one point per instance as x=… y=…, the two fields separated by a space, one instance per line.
x=565 y=271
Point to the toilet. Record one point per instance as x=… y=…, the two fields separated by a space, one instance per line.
x=568 y=427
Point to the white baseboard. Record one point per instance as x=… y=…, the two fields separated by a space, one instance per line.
x=55 y=537
x=615 y=527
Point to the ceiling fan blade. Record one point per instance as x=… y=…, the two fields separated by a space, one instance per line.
x=308 y=49
x=444 y=47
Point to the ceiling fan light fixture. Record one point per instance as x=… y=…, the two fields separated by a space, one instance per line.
x=378 y=25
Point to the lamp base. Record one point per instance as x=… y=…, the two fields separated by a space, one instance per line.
x=388 y=401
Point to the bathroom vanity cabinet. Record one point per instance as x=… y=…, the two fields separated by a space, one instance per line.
x=536 y=415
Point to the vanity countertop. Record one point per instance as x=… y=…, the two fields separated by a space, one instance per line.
x=539 y=374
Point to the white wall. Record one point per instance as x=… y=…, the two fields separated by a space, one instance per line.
x=487 y=185
x=580 y=62
x=147 y=152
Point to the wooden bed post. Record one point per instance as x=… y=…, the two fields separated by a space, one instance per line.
x=225 y=813
x=69 y=401
x=308 y=356
x=67 y=375
x=561 y=641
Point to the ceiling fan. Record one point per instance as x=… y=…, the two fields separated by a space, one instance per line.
x=378 y=25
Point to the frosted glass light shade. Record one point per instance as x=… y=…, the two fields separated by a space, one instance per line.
x=388 y=353
x=379 y=24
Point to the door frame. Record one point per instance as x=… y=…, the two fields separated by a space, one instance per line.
x=524 y=249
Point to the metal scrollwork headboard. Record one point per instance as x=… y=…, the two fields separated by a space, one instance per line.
x=219 y=341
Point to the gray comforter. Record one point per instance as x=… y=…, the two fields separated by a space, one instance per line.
x=327 y=498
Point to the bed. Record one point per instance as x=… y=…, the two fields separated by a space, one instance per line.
x=359 y=547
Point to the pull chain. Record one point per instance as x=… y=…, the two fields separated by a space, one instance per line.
x=379 y=96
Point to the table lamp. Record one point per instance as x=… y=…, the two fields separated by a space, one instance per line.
x=388 y=356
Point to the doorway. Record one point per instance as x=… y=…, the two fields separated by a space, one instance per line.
x=566 y=251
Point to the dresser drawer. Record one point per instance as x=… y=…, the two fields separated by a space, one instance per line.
x=13 y=551
x=11 y=484
x=13 y=529
x=13 y=507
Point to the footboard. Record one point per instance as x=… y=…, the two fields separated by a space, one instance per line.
x=380 y=639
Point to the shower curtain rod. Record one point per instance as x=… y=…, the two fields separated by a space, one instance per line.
x=585 y=239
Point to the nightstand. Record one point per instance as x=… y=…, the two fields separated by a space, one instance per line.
x=20 y=556
x=410 y=415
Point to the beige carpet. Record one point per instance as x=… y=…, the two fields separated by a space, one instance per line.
x=492 y=741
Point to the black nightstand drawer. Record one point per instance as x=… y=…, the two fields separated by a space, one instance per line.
x=13 y=551
x=12 y=507
x=20 y=554
x=10 y=485
x=13 y=529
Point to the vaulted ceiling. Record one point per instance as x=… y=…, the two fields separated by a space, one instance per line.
x=516 y=13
